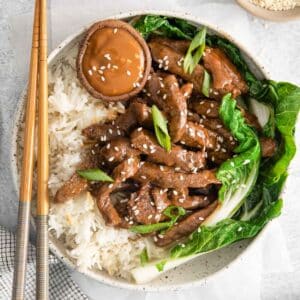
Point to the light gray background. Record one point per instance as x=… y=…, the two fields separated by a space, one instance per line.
x=277 y=46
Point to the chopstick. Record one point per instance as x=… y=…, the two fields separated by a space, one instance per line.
x=27 y=167
x=42 y=269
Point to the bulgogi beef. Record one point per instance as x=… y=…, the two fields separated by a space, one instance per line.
x=150 y=177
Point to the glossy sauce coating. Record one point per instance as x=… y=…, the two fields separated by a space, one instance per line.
x=113 y=62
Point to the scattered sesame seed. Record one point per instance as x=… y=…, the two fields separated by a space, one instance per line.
x=219 y=126
x=175 y=192
x=161 y=168
x=102 y=68
x=164 y=96
x=150 y=216
x=208 y=111
x=240 y=229
x=246 y=161
x=116 y=148
x=115 y=30
x=108 y=66
x=90 y=72
x=128 y=72
x=201 y=218
x=115 y=67
x=111 y=158
x=143 y=177
x=110 y=185
x=140 y=129
x=108 y=146
x=110 y=130
x=160 y=236
x=145 y=146
x=102 y=78
x=107 y=56
x=232 y=163
x=94 y=68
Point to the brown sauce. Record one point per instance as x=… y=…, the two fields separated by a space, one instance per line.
x=113 y=62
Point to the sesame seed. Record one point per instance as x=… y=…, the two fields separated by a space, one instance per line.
x=181 y=200
x=166 y=68
x=115 y=67
x=143 y=177
x=128 y=72
x=107 y=56
x=115 y=30
x=100 y=72
x=246 y=161
x=108 y=66
x=223 y=150
x=136 y=212
x=232 y=163
x=131 y=222
x=201 y=218
x=208 y=111
x=110 y=185
x=145 y=146
x=161 y=168
x=102 y=68
x=155 y=239
x=219 y=126
x=181 y=177
x=213 y=158
x=175 y=192
x=90 y=72
x=240 y=229
x=150 y=216
x=212 y=105
x=177 y=169
x=102 y=78
x=111 y=158
x=94 y=68
x=160 y=236
x=118 y=132
x=110 y=130
x=108 y=146
x=116 y=148
x=140 y=129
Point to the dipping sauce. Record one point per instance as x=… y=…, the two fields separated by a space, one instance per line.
x=113 y=62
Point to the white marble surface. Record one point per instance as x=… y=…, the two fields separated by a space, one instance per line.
x=276 y=45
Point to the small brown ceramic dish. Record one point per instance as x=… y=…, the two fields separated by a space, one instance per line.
x=113 y=61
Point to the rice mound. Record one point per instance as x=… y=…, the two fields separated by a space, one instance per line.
x=77 y=223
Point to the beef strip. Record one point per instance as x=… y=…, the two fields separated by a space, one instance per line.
x=182 y=198
x=143 y=114
x=208 y=108
x=197 y=136
x=123 y=171
x=145 y=142
x=180 y=46
x=186 y=226
x=167 y=177
x=174 y=64
x=108 y=131
x=71 y=188
x=141 y=208
x=76 y=184
x=117 y=150
x=268 y=146
x=225 y=76
x=169 y=97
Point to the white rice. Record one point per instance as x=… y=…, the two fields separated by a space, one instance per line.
x=77 y=222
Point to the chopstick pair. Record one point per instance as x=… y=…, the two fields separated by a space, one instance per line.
x=38 y=86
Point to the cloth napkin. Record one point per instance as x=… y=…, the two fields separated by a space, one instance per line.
x=61 y=284
x=243 y=279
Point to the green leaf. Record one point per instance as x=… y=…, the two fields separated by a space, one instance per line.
x=206 y=84
x=225 y=233
x=144 y=257
x=94 y=175
x=234 y=172
x=160 y=128
x=160 y=266
x=172 y=212
x=169 y=27
x=195 y=51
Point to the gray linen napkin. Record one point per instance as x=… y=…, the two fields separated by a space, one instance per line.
x=62 y=286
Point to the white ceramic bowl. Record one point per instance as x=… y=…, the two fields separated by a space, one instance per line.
x=190 y=274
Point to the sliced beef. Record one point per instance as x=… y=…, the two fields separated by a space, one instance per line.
x=71 y=188
x=171 y=60
x=250 y=119
x=160 y=198
x=141 y=206
x=225 y=76
x=182 y=198
x=186 y=226
x=197 y=136
x=180 y=46
x=208 y=108
x=143 y=114
x=268 y=146
x=169 y=97
x=117 y=150
x=183 y=159
x=167 y=177
x=108 y=131
x=123 y=171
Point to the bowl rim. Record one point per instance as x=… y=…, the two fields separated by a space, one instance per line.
x=110 y=280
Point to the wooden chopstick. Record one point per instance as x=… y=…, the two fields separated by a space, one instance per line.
x=42 y=269
x=27 y=167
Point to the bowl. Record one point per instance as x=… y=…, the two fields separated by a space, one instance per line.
x=191 y=274
x=271 y=15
